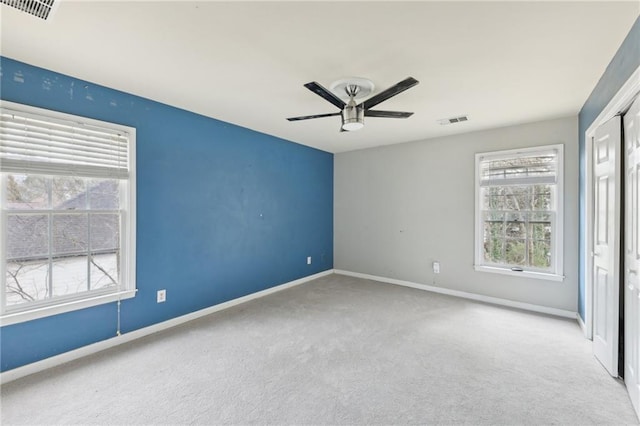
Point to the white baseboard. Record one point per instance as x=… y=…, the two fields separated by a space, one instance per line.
x=487 y=299
x=16 y=373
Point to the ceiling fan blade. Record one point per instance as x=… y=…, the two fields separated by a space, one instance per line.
x=324 y=93
x=308 y=117
x=405 y=84
x=388 y=114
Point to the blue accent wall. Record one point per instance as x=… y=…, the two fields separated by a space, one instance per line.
x=623 y=64
x=222 y=212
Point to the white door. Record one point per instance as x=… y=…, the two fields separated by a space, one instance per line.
x=606 y=243
x=632 y=255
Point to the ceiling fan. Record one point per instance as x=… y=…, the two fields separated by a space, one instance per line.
x=353 y=114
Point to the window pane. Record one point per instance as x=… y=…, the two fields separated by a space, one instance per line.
x=104 y=194
x=27 y=192
x=540 y=230
x=515 y=252
x=493 y=230
x=27 y=281
x=105 y=232
x=516 y=230
x=493 y=202
x=69 y=193
x=70 y=233
x=534 y=165
x=540 y=254
x=27 y=236
x=70 y=275
x=514 y=237
x=541 y=199
x=494 y=250
x=104 y=270
x=517 y=198
x=493 y=198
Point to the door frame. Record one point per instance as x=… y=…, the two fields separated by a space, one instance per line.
x=631 y=366
x=620 y=101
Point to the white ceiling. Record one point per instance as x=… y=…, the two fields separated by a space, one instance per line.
x=245 y=63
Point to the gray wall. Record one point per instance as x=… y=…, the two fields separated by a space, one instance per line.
x=398 y=208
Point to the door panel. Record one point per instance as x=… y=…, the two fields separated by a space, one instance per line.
x=602 y=216
x=602 y=152
x=606 y=247
x=601 y=314
x=632 y=255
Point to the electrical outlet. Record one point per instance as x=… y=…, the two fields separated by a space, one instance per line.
x=436 y=267
x=308 y=260
x=161 y=296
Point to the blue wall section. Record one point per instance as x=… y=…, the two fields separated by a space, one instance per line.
x=222 y=211
x=624 y=63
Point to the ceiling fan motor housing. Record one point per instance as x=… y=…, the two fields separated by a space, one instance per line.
x=352 y=116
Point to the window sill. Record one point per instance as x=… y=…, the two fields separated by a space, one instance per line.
x=521 y=274
x=74 y=305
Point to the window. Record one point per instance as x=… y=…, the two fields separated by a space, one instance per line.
x=68 y=212
x=519 y=212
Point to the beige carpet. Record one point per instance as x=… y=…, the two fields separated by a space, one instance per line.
x=337 y=350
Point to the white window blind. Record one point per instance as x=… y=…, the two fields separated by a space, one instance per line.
x=534 y=168
x=30 y=143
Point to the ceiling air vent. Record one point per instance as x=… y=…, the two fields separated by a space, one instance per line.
x=452 y=120
x=39 y=8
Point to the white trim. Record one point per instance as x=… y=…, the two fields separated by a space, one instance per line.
x=130 y=209
x=521 y=274
x=59 y=308
x=462 y=294
x=582 y=325
x=588 y=237
x=620 y=101
x=3 y=248
x=19 y=372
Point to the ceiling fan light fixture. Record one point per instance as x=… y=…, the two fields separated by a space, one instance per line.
x=352 y=126
x=352 y=117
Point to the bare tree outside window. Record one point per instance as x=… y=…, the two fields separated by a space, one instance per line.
x=517 y=225
x=63 y=236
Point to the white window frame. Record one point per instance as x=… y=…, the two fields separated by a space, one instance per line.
x=126 y=288
x=557 y=237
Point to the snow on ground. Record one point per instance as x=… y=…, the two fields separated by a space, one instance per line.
x=29 y=281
